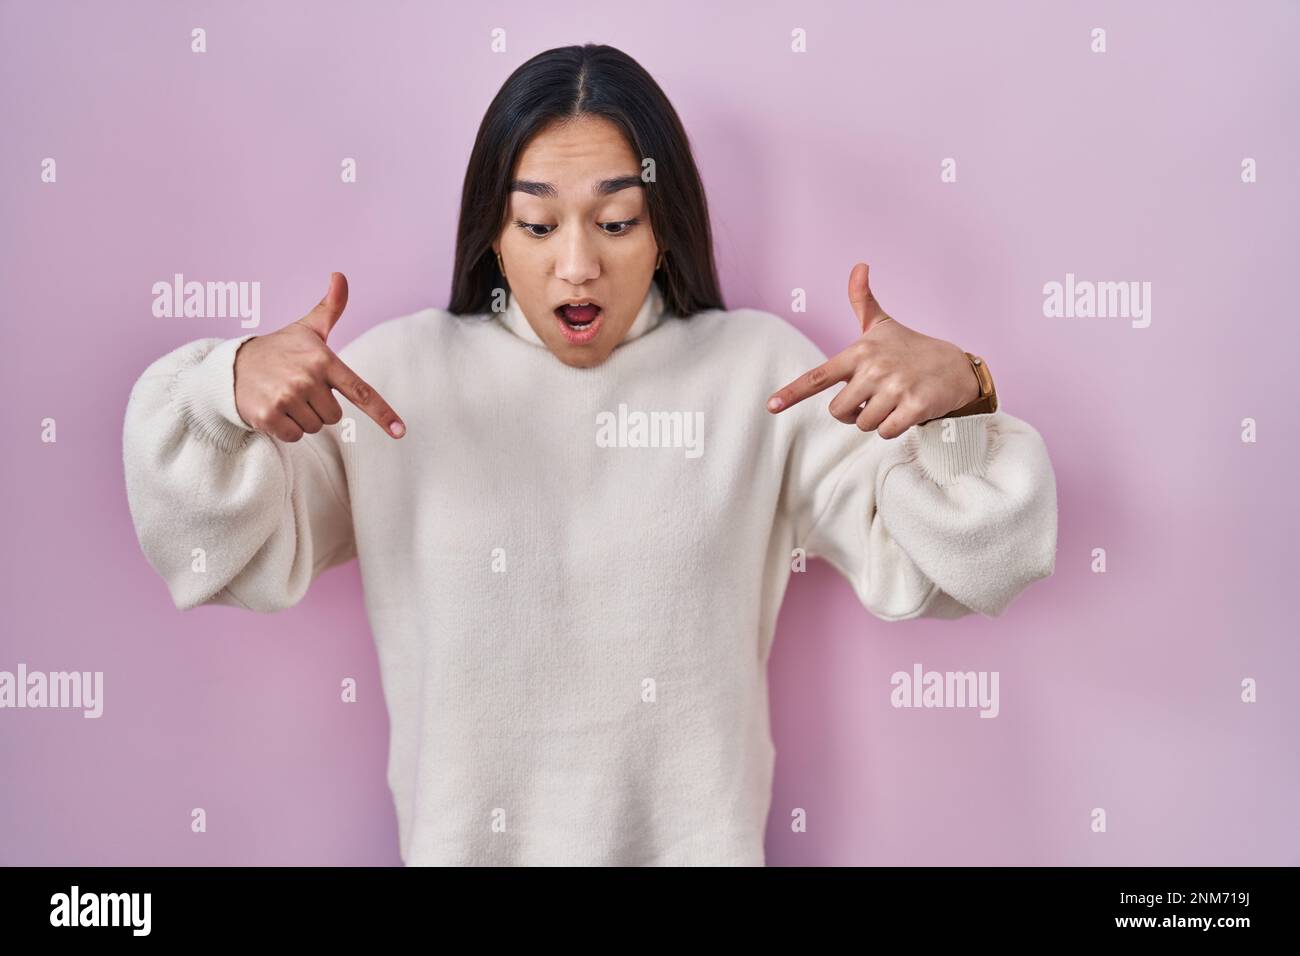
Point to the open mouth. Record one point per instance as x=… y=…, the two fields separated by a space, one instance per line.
x=579 y=323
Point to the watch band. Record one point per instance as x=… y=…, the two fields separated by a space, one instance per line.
x=986 y=402
x=988 y=397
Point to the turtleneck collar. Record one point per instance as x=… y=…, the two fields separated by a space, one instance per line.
x=650 y=315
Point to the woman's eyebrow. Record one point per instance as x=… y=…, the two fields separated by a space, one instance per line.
x=604 y=187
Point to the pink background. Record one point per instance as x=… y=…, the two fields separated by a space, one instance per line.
x=1118 y=690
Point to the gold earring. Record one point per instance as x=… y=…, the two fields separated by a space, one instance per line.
x=501 y=265
x=660 y=264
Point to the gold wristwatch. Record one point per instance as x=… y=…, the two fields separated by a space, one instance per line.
x=987 y=401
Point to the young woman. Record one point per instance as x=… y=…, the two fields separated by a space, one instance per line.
x=576 y=510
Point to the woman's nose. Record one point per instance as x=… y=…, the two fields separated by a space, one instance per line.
x=576 y=260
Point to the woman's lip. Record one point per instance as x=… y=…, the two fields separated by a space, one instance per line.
x=580 y=336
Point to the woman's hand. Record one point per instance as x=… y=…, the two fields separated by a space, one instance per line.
x=902 y=377
x=283 y=380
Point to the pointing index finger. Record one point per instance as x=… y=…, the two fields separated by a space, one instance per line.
x=810 y=383
x=359 y=393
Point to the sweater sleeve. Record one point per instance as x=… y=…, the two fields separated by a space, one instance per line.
x=226 y=514
x=954 y=516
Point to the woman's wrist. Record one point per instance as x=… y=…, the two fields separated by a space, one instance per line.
x=974 y=390
x=982 y=399
x=985 y=399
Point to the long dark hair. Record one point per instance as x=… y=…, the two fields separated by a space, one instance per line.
x=588 y=80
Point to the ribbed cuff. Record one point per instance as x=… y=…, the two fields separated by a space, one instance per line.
x=204 y=394
x=965 y=453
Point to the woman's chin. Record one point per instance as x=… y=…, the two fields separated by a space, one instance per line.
x=579 y=356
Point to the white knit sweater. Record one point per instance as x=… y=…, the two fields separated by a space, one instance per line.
x=572 y=630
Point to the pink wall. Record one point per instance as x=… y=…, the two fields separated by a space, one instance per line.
x=1118 y=690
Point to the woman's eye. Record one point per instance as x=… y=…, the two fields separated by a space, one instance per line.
x=625 y=227
x=621 y=228
x=528 y=227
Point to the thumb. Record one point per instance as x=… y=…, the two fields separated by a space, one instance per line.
x=323 y=318
x=863 y=300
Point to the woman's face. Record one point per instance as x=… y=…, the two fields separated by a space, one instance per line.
x=585 y=237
